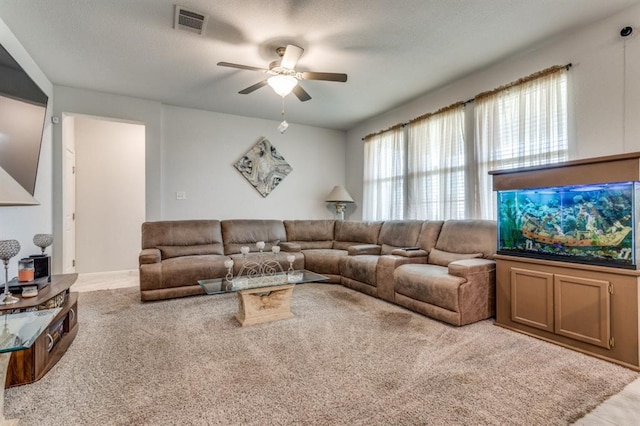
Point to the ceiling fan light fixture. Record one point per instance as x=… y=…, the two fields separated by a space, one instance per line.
x=282 y=84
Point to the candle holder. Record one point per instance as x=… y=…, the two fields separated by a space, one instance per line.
x=8 y=249
x=262 y=264
x=43 y=241
x=229 y=265
x=290 y=258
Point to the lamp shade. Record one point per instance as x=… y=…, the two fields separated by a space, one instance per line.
x=8 y=249
x=282 y=84
x=339 y=195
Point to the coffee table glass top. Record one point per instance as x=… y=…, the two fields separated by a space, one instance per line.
x=19 y=331
x=222 y=285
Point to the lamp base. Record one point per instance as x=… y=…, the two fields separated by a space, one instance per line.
x=8 y=299
x=340 y=208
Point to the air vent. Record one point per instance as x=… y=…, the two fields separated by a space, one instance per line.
x=190 y=20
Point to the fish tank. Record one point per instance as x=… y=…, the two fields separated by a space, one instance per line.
x=591 y=224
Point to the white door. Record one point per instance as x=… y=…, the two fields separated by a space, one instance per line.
x=110 y=194
x=69 y=206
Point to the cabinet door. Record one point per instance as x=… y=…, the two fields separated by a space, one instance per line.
x=582 y=309
x=532 y=298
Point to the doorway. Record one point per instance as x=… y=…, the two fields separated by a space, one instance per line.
x=104 y=187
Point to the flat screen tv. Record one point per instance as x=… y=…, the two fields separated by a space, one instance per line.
x=23 y=107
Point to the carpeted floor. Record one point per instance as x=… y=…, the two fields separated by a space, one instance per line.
x=346 y=358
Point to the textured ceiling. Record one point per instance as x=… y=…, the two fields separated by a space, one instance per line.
x=392 y=51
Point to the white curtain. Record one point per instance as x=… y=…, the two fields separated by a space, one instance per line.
x=384 y=175
x=436 y=166
x=524 y=125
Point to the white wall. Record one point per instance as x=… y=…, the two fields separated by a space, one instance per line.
x=121 y=108
x=22 y=223
x=110 y=194
x=604 y=93
x=200 y=149
x=194 y=151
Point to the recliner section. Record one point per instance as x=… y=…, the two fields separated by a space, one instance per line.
x=442 y=269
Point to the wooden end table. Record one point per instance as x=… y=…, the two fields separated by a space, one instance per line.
x=31 y=364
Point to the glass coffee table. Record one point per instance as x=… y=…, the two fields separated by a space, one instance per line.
x=262 y=298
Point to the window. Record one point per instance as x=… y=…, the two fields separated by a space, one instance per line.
x=385 y=175
x=525 y=125
x=436 y=166
x=435 y=170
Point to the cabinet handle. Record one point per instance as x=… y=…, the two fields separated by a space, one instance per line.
x=50 y=344
x=72 y=314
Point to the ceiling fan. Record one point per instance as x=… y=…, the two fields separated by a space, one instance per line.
x=283 y=75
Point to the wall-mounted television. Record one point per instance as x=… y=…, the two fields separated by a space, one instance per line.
x=23 y=107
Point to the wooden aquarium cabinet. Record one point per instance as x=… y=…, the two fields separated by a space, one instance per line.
x=582 y=306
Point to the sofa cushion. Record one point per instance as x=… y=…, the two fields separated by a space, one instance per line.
x=349 y=233
x=183 y=233
x=187 y=270
x=399 y=233
x=360 y=268
x=323 y=261
x=177 y=251
x=310 y=234
x=444 y=258
x=469 y=236
x=247 y=232
x=430 y=284
x=429 y=234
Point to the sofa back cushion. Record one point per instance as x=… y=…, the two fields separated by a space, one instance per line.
x=183 y=237
x=247 y=232
x=468 y=237
x=310 y=234
x=444 y=258
x=399 y=233
x=350 y=233
x=429 y=234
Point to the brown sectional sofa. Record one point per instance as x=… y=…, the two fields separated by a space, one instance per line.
x=442 y=269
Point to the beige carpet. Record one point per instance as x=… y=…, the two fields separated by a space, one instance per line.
x=345 y=358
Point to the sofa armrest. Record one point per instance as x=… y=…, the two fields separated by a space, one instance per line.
x=477 y=296
x=409 y=253
x=290 y=247
x=364 y=249
x=149 y=256
x=467 y=267
x=387 y=264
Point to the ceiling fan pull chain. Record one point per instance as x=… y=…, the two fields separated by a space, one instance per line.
x=283 y=125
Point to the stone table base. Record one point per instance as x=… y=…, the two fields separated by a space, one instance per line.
x=259 y=305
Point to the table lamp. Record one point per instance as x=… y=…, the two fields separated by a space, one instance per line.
x=8 y=249
x=43 y=241
x=42 y=261
x=340 y=197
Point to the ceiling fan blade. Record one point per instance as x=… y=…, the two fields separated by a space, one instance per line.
x=327 y=76
x=301 y=93
x=254 y=87
x=242 y=67
x=291 y=55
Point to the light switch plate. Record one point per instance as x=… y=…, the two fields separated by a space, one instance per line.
x=181 y=195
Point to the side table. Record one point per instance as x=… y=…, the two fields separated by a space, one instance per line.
x=19 y=332
x=31 y=364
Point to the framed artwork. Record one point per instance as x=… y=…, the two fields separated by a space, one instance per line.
x=263 y=167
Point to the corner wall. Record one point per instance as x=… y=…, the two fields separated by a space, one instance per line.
x=200 y=149
x=23 y=222
x=604 y=92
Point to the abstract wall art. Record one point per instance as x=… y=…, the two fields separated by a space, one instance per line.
x=263 y=167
